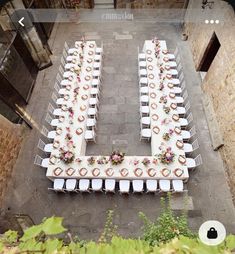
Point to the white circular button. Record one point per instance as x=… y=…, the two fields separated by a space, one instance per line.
x=212 y=21
x=217 y=21
x=207 y=21
x=212 y=232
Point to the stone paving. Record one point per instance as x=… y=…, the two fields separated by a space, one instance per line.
x=118 y=126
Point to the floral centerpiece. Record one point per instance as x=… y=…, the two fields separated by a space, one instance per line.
x=116 y=157
x=161 y=86
x=78 y=160
x=136 y=162
x=68 y=136
x=91 y=160
x=166 y=156
x=154 y=161
x=167 y=135
x=163 y=99
x=146 y=162
x=66 y=155
x=102 y=160
x=166 y=109
x=165 y=121
x=71 y=112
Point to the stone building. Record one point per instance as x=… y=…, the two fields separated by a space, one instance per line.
x=213 y=51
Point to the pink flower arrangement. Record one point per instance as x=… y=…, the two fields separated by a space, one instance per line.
x=91 y=160
x=136 y=162
x=166 y=156
x=102 y=160
x=116 y=157
x=165 y=121
x=67 y=156
x=71 y=112
x=161 y=86
x=154 y=161
x=78 y=160
x=146 y=162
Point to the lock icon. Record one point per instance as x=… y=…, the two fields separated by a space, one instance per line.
x=212 y=233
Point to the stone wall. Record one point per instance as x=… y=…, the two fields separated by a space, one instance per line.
x=137 y=4
x=10 y=143
x=219 y=82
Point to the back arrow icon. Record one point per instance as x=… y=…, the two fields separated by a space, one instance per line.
x=20 y=21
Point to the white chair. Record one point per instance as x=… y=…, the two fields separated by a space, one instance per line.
x=145 y=134
x=91 y=123
x=138 y=186
x=124 y=186
x=143 y=82
x=94 y=92
x=52 y=122
x=97 y=58
x=175 y=81
x=90 y=135
x=193 y=163
x=70 y=184
x=66 y=82
x=68 y=66
x=142 y=65
x=142 y=57
x=189 y=148
x=83 y=185
x=172 y=64
x=183 y=110
x=41 y=162
x=151 y=186
x=180 y=68
x=66 y=46
x=69 y=59
x=61 y=71
x=68 y=74
x=62 y=61
x=144 y=110
x=72 y=50
x=179 y=90
x=164 y=185
x=186 y=135
x=97 y=65
x=58 y=185
x=48 y=134
x=96 y=184
x=171 y=57
x=94 y=102
x=181 y=100
x=99 y=51
x=95 y=83
x=143 y=73
x=173 y=72
x=109 y=185
x=145 y=121
x=144 y=99
x=144 y=90
x=181 y=77
x=184 y=122
x=178 y=185
x=92 y=112
x=97 y=74
x=45 y=147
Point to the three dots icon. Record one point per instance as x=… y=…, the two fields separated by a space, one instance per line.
x=212 y=21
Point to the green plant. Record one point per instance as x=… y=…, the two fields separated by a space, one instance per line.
x=166 y=227
x=110 y=230
x=46 y=238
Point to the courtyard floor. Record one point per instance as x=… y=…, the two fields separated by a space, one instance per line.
x=118 y=126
